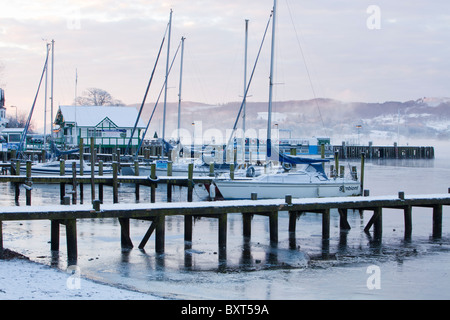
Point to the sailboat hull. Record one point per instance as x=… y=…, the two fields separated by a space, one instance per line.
x=242 y=189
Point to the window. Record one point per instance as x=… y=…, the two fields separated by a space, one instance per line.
x=94 y=132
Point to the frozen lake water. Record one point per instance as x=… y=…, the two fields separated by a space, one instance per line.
x=352 y=266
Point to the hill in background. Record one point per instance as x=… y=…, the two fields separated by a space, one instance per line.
x=424 y=118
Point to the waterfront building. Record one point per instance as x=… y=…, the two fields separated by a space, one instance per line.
x=111 y=126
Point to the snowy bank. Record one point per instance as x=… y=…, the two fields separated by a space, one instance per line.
x=26 y=280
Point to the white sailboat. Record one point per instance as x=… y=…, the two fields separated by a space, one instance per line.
x=53 y=168
x=307 y=180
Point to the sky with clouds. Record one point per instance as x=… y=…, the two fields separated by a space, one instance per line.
x=352 y=50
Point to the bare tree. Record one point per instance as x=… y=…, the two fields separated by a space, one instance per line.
x=20 y=122
x=97 y=97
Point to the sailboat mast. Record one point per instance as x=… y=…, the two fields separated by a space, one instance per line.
x=272 y=55
x=51 y=88
x=167 y=75
x=245 y=75
x=45 y=100
x=179 y=89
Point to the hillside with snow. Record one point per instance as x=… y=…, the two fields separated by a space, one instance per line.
x=424 y=118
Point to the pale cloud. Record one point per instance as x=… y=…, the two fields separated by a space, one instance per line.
x=113 y=44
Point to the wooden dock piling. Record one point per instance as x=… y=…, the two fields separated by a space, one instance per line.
x=156 y=213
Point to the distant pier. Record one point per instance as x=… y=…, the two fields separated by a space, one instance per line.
x=384 y=152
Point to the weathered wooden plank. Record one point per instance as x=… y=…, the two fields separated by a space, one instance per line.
x=125 y=239
x=343 y=222
x=147 y=235
x=137 y=210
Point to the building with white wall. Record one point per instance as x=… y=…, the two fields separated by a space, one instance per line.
x=111 y=126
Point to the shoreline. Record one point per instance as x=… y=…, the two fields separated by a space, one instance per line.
x=23 y=279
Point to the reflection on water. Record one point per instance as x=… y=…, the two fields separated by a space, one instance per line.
x=300 y=265
x=413 y=163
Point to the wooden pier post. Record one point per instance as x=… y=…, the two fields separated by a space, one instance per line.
x=378 y=224
x=136 y=173
x=273 y=227
x=16 y=185
x=211 y=170
x=1 y=239
x=223 y=221
x=125 y=239
x=54 y=235
x=188 y=219
x=188 y=222
x=71 y=238
x=115 y=183
x=343 y=222
x=27 y=184
x=153 y=186
x=81 y=147
x=292 y=221
x=147 y=235
x=74 y=183
x=169 y=185
x=92 y=169
x=376 y=221
x=100 y=185
x=437 y=221
x=62 y=186
x=336 y=162
x=190 y=182
x=247 y=220
x=247 y=225
x=326 y=224
x=407 y=212
x=160 y=233
x=363 y=157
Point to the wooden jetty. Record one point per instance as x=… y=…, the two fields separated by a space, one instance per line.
x=113 y=180
x=384 y=152
x=156 y=213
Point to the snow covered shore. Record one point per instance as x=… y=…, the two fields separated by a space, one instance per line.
x=21 y=279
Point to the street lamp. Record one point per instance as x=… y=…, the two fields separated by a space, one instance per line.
x=358 y=127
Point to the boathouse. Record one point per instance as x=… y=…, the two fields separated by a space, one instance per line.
x=111 y=126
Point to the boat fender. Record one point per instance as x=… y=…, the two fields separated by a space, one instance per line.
x=287 y=166
x=151 y=179
x=250 y=172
